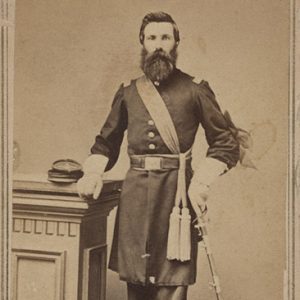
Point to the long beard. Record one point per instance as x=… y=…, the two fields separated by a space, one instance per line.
x=158 y=65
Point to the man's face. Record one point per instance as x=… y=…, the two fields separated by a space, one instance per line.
x=158 y=57
x=159 y=35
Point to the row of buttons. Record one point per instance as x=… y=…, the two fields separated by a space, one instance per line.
x=151 y=135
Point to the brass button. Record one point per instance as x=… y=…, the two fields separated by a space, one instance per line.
x=151 y=122
x=152 y=146
x=151 y=134
x=152 y=279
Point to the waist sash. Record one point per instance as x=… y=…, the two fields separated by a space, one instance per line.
x=179 y=236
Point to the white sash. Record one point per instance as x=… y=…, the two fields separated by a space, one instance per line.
x=179 y=229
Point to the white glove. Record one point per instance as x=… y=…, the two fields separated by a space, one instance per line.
x=207 y=172
x=91 y=183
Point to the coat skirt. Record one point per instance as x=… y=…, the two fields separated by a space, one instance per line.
x=141 y=231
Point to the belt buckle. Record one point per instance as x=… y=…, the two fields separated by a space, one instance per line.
x=152 y=163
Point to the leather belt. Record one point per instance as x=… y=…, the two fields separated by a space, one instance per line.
x=150 y=162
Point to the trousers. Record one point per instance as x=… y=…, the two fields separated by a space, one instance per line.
x=152 y=292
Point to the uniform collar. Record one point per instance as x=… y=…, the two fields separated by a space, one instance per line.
x=168 y=80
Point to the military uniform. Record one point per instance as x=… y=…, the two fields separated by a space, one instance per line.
x=141 y=229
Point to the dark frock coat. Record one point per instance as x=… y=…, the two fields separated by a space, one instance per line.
x=141 y=230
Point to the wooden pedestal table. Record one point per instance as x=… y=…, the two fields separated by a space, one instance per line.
x=59 y=240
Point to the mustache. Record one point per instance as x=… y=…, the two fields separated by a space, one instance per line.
x=158 y=54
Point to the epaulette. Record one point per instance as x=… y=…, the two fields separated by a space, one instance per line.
x=197 y=79
x=126 y=83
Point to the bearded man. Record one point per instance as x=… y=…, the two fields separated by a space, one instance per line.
x=155 y=244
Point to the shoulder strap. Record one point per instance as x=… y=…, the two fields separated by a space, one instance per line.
x=159 y=113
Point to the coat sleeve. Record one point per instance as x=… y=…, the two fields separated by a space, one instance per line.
x=108 y=142
x=222 y=144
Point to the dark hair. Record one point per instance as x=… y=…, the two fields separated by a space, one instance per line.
x=158 y=17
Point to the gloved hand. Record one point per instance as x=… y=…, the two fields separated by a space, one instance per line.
x=91 y=183
x=207 y=172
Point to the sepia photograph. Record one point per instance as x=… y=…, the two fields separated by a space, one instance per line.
x=149 y=150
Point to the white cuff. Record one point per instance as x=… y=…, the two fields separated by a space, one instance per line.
x=96 y=164
x=208 y=171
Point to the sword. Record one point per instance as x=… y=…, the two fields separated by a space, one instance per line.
x=202 y=232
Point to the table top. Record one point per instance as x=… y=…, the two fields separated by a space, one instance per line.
x=40 y=183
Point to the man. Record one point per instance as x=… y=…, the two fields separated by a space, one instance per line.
x=142 y=251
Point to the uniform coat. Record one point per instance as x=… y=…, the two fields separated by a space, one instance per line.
x=141 y=229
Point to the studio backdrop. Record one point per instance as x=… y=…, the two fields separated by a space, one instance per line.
x=70 y=58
